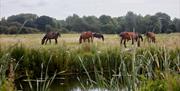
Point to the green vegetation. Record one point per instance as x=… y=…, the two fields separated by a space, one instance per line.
x=158 y=23
x=106 y=64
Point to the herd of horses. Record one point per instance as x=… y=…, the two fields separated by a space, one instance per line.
x=125 y=37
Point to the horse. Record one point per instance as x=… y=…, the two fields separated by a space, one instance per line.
x=151 y=37
x=98 y=35
x=50 y=35
x=86 y=35
x=134 y=36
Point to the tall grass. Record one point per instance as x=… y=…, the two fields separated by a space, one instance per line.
x=111 y=67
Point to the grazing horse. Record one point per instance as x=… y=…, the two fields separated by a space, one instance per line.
x=50 y=35
x=98 y=35
x=126 y=36
x=86 y=35
x=151 y=37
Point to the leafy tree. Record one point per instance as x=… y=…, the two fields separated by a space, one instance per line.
x=164 y=21
x=21 y=18
x=92 y=23
x=176 y=23
x=108 y=25
x=42 y=21
x=12 y=30
x=130 y=19
x=158 y=23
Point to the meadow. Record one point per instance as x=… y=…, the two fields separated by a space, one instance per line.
x=106 y=65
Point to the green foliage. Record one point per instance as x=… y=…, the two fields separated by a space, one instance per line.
x=42 y=21
x=158 y=23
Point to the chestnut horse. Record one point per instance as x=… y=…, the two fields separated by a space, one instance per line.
x=50 y=35
x=98 y=35
x=151 y=37
x=86 y=35
x=126 y=36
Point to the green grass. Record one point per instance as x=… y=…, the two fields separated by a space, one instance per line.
x=107 y=64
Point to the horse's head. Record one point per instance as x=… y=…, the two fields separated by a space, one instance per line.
x=145 y=34
x=93 y=33
x=121 y=34
x=58 y=34
x=43 y=40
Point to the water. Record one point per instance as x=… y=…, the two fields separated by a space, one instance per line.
x=63 y=84
x=67 y=84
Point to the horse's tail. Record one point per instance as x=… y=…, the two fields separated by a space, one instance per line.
x=80 y=39
x=42 y=42
x=102 y=37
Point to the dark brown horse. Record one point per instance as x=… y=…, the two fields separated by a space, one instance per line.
x=98 y=35
x=126 y=36
x=86 y=35
x=49 y=36
x=151 y=37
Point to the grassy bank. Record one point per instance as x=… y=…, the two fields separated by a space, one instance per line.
x=106 y=64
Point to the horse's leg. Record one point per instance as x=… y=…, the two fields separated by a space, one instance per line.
x=80 y=40
x=121 y=40
x=88 y=40
x=50 y=41
x=46 y=41
x=138 y=42
x=148 y=39
x=84 y=40
x=125 y=43
x=56 y=40
x=154 y=40
x=92 y=39
x=132 y=41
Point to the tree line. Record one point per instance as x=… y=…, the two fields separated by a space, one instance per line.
x=32 y=23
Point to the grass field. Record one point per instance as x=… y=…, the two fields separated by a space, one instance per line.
x=107 y=64
x=34 y=40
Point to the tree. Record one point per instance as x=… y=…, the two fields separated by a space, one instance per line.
x=164 y=20
x=21 y=18
x=151 y=24
x=12 y=30
x=92 y=23
x=176 y=23
x=130 y=19
x=42 y=21
x=104 y=19
x=108 y=24
x=158 y=23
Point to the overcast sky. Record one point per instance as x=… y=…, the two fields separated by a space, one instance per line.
x=60 y=9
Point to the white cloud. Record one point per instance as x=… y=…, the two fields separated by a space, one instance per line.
x=62 y=8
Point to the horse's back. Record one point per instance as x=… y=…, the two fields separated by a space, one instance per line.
x=98 y=35
x=127 y=35
x=52 y=35
x=86 y=34
x=150 y=34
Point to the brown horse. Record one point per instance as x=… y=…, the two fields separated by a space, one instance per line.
x=86 y=35
x=126 y=36
x=98 y=35
x=151 y=37
x=50 y=35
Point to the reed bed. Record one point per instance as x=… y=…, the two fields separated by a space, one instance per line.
x=106 y=64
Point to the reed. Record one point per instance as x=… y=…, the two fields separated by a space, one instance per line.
x=107 y=66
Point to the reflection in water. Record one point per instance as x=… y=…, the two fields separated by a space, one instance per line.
x=67 y=84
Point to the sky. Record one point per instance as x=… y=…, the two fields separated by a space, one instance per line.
x=61 y=9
